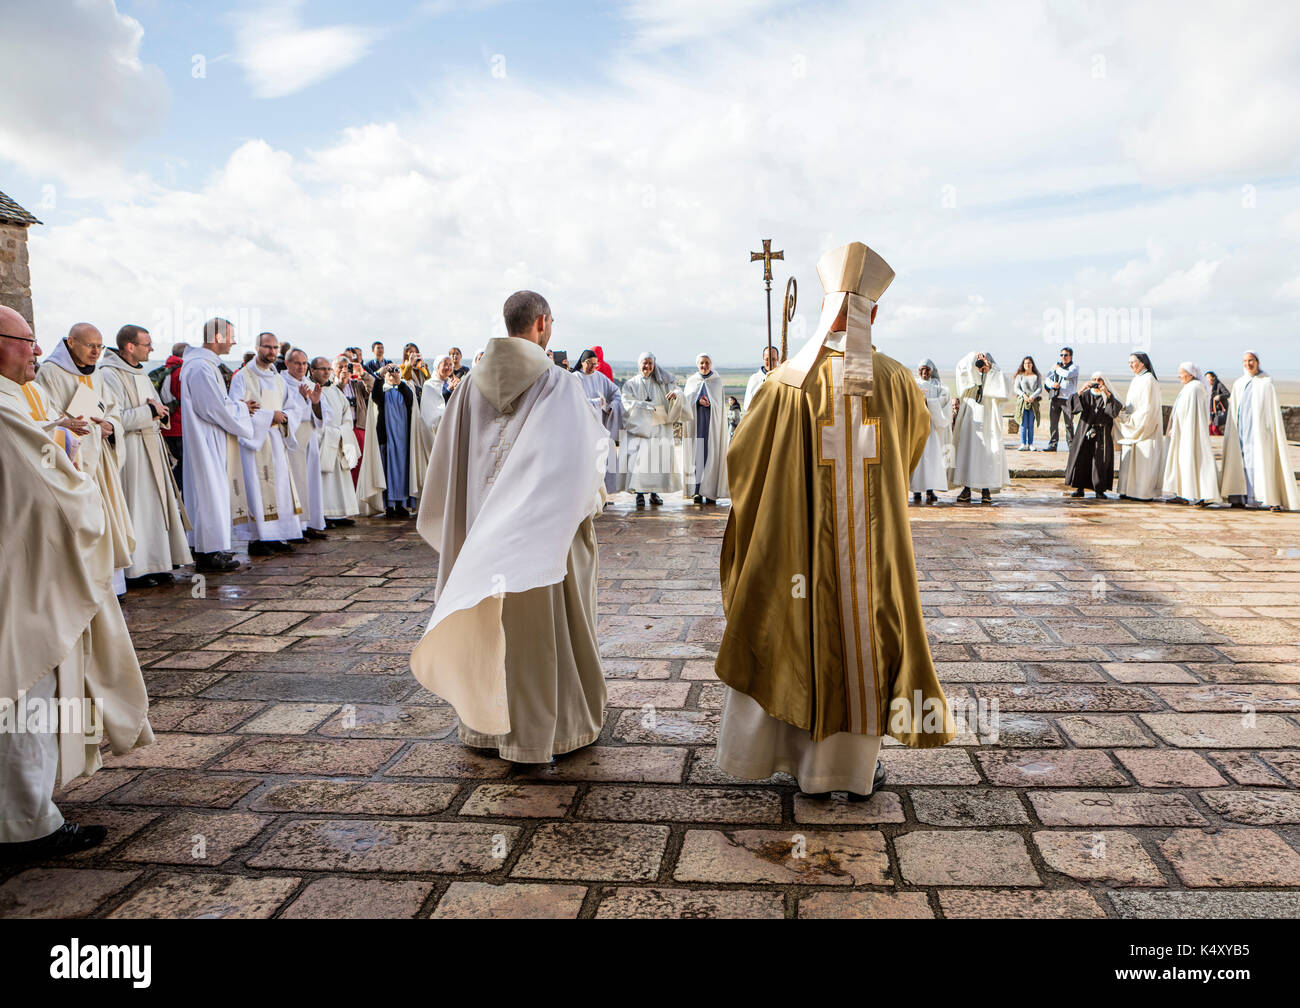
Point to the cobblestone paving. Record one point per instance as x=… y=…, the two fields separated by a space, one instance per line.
x=1143 y=660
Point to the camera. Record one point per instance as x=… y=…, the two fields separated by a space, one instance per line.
x=981 y=361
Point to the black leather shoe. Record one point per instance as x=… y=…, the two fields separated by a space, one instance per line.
x=710 y=502
x=1101 y=495
x=656 y=500
x=916 y=498
x=698 y=498
x=964 y=496
x=312 y=533
x=640 y=500
x=281 y=547
x=300 y=541
x=67 y=839
x=986 y=497
x=339 y=523
x=147 y=581
x=1077 y=493
x=259 y=548
x=931 y=497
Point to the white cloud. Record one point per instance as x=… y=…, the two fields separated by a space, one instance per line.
x=281 y=57
x=74 y=94
x=633 y=205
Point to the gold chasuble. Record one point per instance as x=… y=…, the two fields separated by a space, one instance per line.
x=824 y=627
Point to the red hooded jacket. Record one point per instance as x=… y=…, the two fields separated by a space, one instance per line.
x=173 y=429
x=601 y=366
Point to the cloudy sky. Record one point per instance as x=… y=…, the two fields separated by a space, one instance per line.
x=1111 y=175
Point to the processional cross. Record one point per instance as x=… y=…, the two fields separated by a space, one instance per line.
x=767 y=255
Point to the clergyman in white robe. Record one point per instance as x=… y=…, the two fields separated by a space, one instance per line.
x=649 y=452
x=1190 y=474
x=67 y=665
x=514 y=483
x=1141 y=428
x=304 y=450
x=339 y=454
x=147 y=481
x=272 y=501
x=979 y=456
x=758 y=377
x=1257 y=468
x=60 y=376
x=213 y=471
x=607 y=403
x=931 y=473
x=701 y=408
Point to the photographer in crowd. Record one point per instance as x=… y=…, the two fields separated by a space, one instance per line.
x=1091 y=465
x=1061 y=383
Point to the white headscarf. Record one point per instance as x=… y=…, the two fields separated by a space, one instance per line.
x=1192 y=370
x=1094 y=390
x=1257 y=361
x=932 y=386
x=967 y=375
x=658 y=374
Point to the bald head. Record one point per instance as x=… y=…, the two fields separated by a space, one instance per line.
x=17 y=356
x=85 y=343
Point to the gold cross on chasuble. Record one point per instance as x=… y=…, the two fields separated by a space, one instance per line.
x=847 y=443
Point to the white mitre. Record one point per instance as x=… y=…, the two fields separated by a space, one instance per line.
x=855 y=275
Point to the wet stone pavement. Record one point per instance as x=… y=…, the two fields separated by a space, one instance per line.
x=1142 y=661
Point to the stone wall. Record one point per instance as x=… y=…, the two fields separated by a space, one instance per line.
x=15 y=277
x=1291 y=417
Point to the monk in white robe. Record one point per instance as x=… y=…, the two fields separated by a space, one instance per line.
x=607 y=402
x=758 y=377
x=147 y=482
x=515 y=481
x=302 y=396
x=213 y=473
x=649 y=455
x=273 y=503
x=979 y=456
x=1257 y=470
x=68 y=673
x=1141 y=428
x=931 y=472
x=1190 y=474
x=339 y=450
x=71 y=365
x=701 y=409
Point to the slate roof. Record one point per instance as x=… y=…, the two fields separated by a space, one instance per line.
x=12 y=213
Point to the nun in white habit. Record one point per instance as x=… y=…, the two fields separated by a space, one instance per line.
x=1190 y=474
x=931 y=472
x=1141 y=427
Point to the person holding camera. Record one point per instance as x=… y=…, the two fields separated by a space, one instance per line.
x=1061 y=383
x=979 y=457
x=1091 y=465
x=413 y=368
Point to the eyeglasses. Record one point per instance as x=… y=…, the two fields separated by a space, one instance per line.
x=23 y=339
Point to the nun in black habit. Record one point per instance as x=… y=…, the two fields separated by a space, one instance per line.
x=1091 y=465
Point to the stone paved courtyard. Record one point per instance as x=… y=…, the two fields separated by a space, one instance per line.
x=1143 y=659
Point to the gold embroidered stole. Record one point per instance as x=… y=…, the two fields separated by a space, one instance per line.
x=270 y=397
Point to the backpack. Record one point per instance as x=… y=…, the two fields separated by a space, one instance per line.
x=160 y=375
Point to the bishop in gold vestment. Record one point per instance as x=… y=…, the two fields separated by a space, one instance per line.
x=825 y=649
